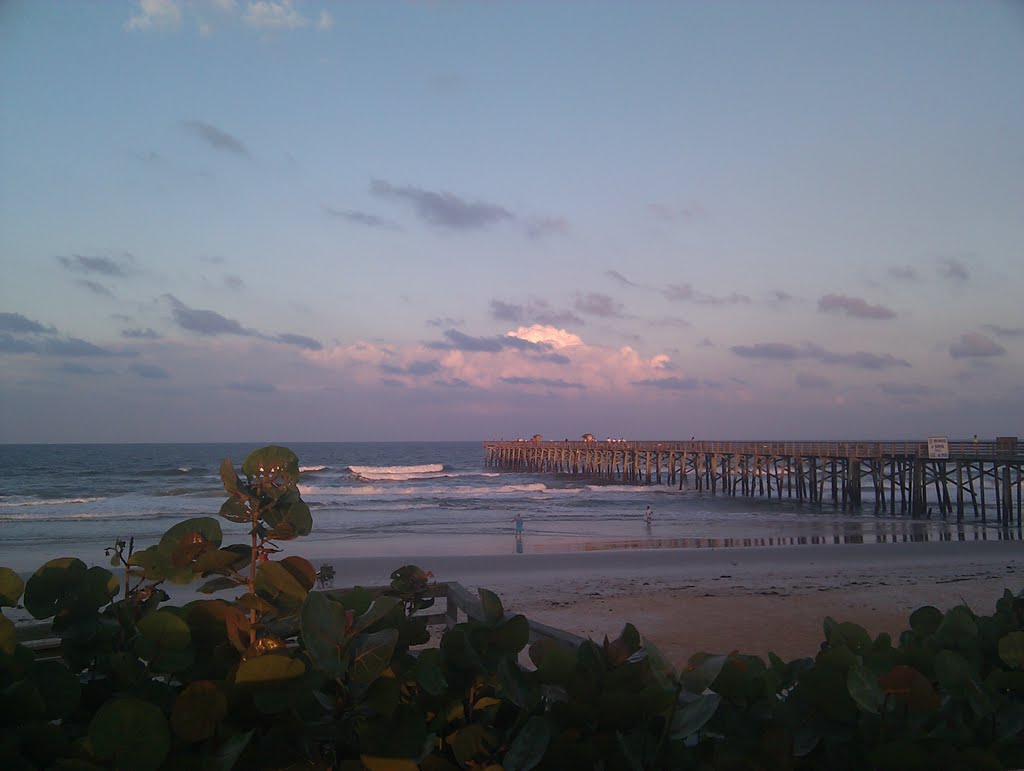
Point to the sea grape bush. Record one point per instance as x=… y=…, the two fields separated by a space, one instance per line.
x=281 y=676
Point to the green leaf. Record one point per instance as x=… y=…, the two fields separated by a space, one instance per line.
x=472 y=743
x=371 y=655
x=322 y=622
x=272 y=460
x=11 y=587
x=164 y=629
x=198 y=711
x=377 y=763
x=275 y=582
x=58 y=686
x=380 y=608
x=233 y=557
x=926 y=620
x=228 y=475
x=863 y=686
x=853 y=636
x=493 y=610
x=512 y=635
x=288 y=518
x=158 y=566
x=555 y=663
x=8 y=637
x=910 y=687
x=233 y=511
x=268 y=669
x=131 y=732
x=529 y=746
x=694 y=715
x=428 y=672
x=701 y=671
x=958 y=628
x=218 y=584
x=187 y=531
x=49 y=585
x=1011 y=650
x=224 y=756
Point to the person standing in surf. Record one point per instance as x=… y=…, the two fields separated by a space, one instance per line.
x=648 y=516
x=518 y=519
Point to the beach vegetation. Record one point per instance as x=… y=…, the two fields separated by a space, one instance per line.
x=265 y=671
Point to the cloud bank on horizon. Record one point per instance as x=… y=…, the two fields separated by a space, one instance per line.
x=284 y=220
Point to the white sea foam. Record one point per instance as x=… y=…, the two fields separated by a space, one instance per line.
x=397 y=473
x=310 y=469
x=44 y=502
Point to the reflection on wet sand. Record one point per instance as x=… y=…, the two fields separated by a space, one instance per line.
x=846 y=533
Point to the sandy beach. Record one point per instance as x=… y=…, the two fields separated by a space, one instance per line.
x=718 y=600
x=754 y=600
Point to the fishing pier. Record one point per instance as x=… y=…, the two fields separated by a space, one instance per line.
x=954 y=478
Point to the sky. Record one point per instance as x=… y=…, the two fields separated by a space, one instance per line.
x=235 y=220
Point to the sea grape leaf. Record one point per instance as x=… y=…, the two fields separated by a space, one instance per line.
x=428 y=672
x=694 y=715
x=49 y=585
x=303 y=571
x=371 y=655
x=228 y=558
x=8 y=638
x=275 y=581
x=529 y=746
x=322 y=622
x=513 y=634
x=958 y=628
x=131 y=732
x=1011 y=650
x=159 y=567
x=910 y=687
x=272 y=460
x=380 y=608
x=218 y=584
x=198 y=711
x=185 y=533
x=224 y=756
x=376 y=763
x=234 y=511
x=864 y=689
x=288 y=518
x=493 y=610
x=925 y=620
x=228 y=475
x=268 y=669
x=165 y=629
x=58 y=686
x=853 y=636
x=11 y=587
x=555 y=663
x=701 y=671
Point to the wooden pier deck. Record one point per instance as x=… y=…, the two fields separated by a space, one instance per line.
x=979 y=478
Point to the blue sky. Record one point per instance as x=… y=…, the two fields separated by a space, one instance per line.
x=232 y=220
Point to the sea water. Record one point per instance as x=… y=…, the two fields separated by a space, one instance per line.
x=401 y=499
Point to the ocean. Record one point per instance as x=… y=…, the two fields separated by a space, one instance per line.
x=410 y=500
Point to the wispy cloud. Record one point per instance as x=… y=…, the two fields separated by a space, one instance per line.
x=150 y=371
x=686 y=293
x=854 y=306
x=546 y=382
x=973 y=345
x=999 y=331
x=813 y=381
x=669 y=213
x=217 y=138
x=205 y=322
x=541 y=227
x=596 y=304
x=362 y=218
x=75 y=368
x=670 y=383
x=415 y=368
x=536 y=311
x=953 y=269
x=308 y=343
x=73 y=346
x=140 y=334
x=789 y=352
x=99 y=265
x=442 y=208
x=95 y=287
x=616 y=276
x=20 y=325
x=904 y=273
x=251 y=386
x=155 y=14
x=266 y=14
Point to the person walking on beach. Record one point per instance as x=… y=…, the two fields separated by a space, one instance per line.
x=648 y=516
x=518 y=519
